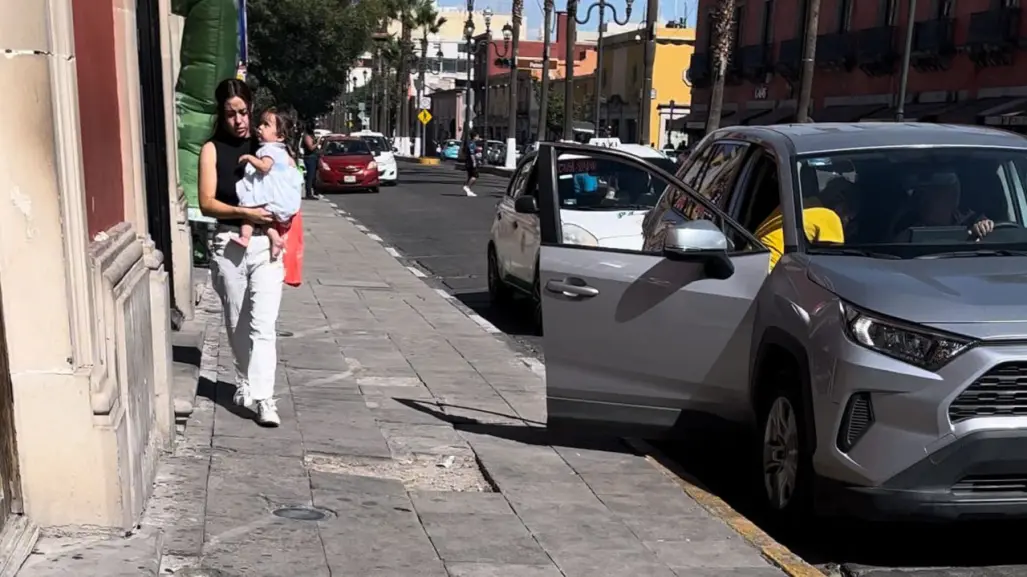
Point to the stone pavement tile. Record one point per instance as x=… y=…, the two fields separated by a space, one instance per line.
x=765 y=571
x=178 y=502
x=527 y=383
x=588 y=532
x=264 y=547
x=501 y=570
x=655 y=517
x=605 y=456
x=299 y=378
x=257 y=445
x=312 y=355
x=328 y=430
x=410 y=392
x=471 y=411
x=474 y=537
x=407 y=439
x=325 y=395
x=604 y=563
x=527 y=405
x=429 y=502
x=233 y=421
x=355 y=495
x=727 y=553
x=386 y=541
x=407 y=411
x=245 y=485
x=652 y=481
x=549 y=496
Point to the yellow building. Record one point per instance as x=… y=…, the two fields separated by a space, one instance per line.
x=623 y=80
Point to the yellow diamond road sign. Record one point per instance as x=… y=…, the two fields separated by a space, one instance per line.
x=424 y=117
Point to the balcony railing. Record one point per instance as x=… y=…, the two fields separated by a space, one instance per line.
x=993 y=36
x=700 y=70
x=875 y=50
x=836 y=51
x=754 y=61
x=934 y=44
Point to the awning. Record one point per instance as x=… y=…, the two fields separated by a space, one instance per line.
x=782 y=115
x=913 y=112
x=581 y=126
x=697 y=120
x=850 y=113
x=978 y=110
x=743 y=117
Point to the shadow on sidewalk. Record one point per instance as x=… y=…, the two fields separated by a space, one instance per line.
x=515 y=319
x=221 y=393
x=531 y=433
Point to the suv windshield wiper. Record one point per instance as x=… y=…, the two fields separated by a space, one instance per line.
x=854 y=252
x=978 y=252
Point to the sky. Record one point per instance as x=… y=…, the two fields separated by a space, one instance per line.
x=669 y=10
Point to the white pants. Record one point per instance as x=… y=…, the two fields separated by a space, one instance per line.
x=250 y=286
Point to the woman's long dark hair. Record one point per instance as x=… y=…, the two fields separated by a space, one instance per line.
x=227 y=90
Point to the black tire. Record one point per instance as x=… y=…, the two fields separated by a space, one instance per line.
x=783 y=401
x=499 y=292
x=373 y=189
x=536 y=301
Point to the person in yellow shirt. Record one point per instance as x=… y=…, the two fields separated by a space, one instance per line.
x=824 y=219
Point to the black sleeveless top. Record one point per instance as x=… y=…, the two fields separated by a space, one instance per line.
x=228 y=152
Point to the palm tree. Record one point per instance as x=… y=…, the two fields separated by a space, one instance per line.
x=724 y=31
x=427 y=18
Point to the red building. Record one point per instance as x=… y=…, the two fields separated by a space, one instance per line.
x=966 y=64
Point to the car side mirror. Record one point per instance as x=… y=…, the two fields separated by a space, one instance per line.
x=700 y=241
x=525 y=204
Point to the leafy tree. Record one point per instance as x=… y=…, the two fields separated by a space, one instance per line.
x=301 y=50
x=554 y=112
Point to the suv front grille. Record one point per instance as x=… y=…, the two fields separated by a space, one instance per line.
x=991 y=484
x=1001 y=392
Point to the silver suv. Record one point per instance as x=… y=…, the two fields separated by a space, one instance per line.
x=857 y=293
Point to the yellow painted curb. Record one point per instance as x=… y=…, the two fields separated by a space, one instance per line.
x=428 y=160
x=773 y=551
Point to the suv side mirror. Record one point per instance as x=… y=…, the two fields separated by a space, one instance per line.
x=703 y=241
x=525 y=204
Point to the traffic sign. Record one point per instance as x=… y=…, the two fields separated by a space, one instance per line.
x=424 y=117
x=425 y=102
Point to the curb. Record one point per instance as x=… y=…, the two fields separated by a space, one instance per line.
x=774 y=552
x=771 y=550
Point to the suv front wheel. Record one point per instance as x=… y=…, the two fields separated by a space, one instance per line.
x=499 y=292
x=785 y=465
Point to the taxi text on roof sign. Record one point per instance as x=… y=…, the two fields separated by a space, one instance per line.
x=605 y=142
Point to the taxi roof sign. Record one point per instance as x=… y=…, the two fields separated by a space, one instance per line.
x=605 y=142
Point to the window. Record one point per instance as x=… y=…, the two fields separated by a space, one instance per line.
x=693 y=171
x=913 y=202
x=518 y=182
x=941 y=8
x=767 y=23
x=844 y=22
x=800 y=25
x=349 y=147
x=739 y=21
x=587 y=183
x=716 y=182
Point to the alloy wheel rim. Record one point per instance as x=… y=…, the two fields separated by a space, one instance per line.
x=780 y=453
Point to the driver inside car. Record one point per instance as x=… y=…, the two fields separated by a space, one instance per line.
x=936 y=203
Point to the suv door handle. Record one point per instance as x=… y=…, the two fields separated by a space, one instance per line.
x=572 y=286
x=515 y=224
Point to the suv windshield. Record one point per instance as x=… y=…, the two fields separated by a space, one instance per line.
x=345 y=147
x=585 y=183
x=915 y=202
x=378 y=144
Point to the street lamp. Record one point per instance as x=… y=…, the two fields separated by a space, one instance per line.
x=490 y=49
x=572 y=18
x=511 y=136
x=422 y=68
x=670 y=122
x=469 y=38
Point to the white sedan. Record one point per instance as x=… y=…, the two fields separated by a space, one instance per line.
x=384 y=155
x=602 y=204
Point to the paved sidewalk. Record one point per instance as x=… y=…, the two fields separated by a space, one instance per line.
x=421 y=438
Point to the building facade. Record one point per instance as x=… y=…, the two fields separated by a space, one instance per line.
x=966 y=63
x=85 y=362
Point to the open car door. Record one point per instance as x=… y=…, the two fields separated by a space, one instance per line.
x=636 y=339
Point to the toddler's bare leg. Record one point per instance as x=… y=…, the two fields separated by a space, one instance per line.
x=277 y=243
x=245 y=232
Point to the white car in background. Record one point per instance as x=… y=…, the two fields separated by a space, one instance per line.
x=384 y=155
x=602 y=204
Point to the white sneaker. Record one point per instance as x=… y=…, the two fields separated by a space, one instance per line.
x=468 y=191
x=242 y=396
x=267 y=413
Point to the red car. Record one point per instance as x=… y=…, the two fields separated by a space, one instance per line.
x=346 y=164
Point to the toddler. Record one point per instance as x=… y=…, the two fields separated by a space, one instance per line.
x=271 y=180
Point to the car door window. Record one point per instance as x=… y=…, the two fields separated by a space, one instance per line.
x=725 y=161
x=691 y=173
x=520 y=179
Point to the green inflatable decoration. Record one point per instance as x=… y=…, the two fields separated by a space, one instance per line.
x=210 y=46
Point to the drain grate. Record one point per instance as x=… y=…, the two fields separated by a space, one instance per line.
x=300 y=513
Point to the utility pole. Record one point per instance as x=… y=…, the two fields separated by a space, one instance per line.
x=900 y=109
x=809 y=54
x=511 y=135
x=652 y=8
x=568 y=63
x=543 y=105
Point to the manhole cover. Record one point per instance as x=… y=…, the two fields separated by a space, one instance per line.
x=285 y=333
x=300 y=513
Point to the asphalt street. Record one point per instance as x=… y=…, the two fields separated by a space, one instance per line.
x=434 y=226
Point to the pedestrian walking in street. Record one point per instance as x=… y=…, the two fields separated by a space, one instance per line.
x=309 y=145
x=246 y=278
x=471 y=162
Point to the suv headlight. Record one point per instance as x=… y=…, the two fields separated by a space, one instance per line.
x=918 y=346
x=574 y=234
